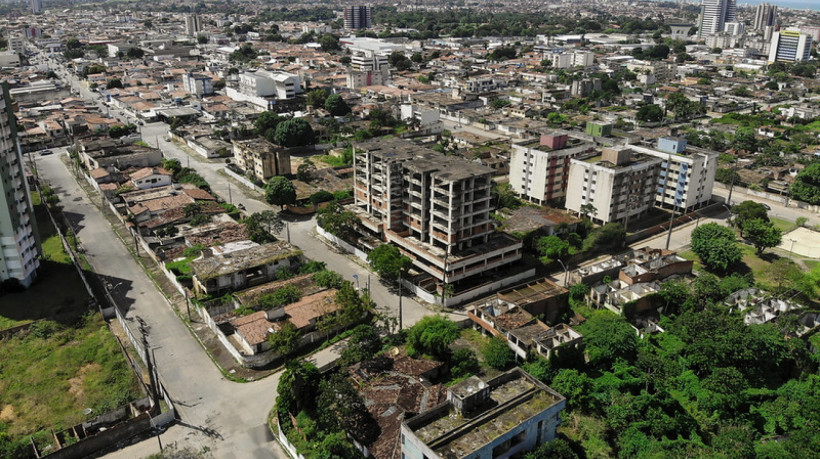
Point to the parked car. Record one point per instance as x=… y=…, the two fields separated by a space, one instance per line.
x=45 y=152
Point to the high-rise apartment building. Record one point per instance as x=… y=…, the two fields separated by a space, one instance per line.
x=734 y=28
x=765 y=16
x=358 y=17
x=687 y=173
x=36 y=6
x=790 y=45
x=435 y=208
x=193 y=24
x=19 y=248
x=620 y=184
x=539 y=168
x=714 y=14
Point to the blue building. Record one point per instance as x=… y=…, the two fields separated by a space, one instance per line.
x=494 y=419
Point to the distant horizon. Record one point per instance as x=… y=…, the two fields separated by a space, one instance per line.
x=793 y=4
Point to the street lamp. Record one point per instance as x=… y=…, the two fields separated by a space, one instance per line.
x=791 y=249
x=356 y=276
x=566 y=272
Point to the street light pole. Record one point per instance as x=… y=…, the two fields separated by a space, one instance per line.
x=671 y=222
x=791 y=249
x=400 y=311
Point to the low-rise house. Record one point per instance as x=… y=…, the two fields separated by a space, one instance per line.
x=117 y=153
x=622 y=298
x=758 y=306
x=499 y=418
x=150 y=177
x=237 y=266
x=647 y=265
x=525 y=334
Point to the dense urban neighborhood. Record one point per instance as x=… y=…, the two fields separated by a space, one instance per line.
x=565 y=229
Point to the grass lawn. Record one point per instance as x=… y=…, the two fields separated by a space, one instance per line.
x=54 y=372
x=811 y=263
x=332 y=160
x=66 y=362
x=783 y=225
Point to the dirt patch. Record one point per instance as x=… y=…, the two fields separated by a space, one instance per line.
x=75 y=384
x=7 y=414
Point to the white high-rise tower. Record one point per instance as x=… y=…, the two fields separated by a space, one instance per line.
x=714 y=14
x=19 y=248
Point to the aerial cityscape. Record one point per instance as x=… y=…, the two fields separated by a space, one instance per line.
x=419 y=230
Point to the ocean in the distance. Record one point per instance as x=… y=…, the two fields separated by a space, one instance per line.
x=795 y=4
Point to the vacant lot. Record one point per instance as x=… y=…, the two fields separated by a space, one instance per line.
x=67 y=361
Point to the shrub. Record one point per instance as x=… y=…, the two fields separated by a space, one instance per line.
x=497 y=354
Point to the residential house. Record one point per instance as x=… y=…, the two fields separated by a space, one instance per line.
x=150 y=177
x=261 y=159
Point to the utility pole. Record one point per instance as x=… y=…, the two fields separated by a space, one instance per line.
x=671 y=221
x=230 y=198
x=287 y=229
x=732 y=184
x=400 y=311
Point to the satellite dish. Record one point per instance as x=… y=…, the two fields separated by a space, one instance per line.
x=87 y=411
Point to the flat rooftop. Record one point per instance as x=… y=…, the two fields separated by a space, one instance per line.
x=514 y=398
x=212 y=266
x=532 y=291
x=424 y=160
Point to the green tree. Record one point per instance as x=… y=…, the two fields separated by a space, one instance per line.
x=305 y=170
x=329 y=42
x=388 y=262
x=297 y=387
x=432 y=336
x=135 y=53
x=316 y=97
x=113 y=83
x=265 y=125
x=464 y=363
x=762 y=234
x=280 y=191
x=806 y=186
x=609 y=338
x=363 y=344
x=497 y=354
x=285 y=340
x=650 y=113
x=341 y=408
x=716 y=246
x=295 y=132
x=552 y=248
x=336 y=105
x=748 y=210
x=336 y=220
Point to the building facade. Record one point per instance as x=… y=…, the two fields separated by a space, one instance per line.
x=261 y=159
x=765 y=16
x=435 y=208
x=714 y=14
x=620 y=184
x=36 y=6
x=687 y=174
x=193 y=25
x=790 y=45
x=19 y=247
x=358 y=17
x=198 y=84
x=539 y=168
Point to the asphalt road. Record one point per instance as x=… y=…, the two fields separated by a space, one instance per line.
x=778 y=210
x=226 y=417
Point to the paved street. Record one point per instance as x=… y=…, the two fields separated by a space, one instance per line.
x=227 y=417
x=778 y=210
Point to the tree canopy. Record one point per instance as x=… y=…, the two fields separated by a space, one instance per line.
x=432 y=336
x=294 y=133
x=280 y=191
x=806 y=186
x=716 y=246
x=388 y=261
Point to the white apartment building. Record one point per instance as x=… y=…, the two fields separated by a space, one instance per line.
x=619 y=183
x=193 y=24
x=715 y=14
x=197 y=84
x=687 y=173
x=358 y=80
x=571 y=60
x=17 y=44
x=663 y=71
x=790 y=45
x=734 y=28
x=19 y=247
x=539 y=168
x=368 y=54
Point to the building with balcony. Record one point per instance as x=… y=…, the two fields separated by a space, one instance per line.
x=687 y=173
x=539 y=168
x=503 y=417
x=620 y=184
x=358 y=17
x=435 y=208
x=19 y=244
x=198 y=84
x=790 y=45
